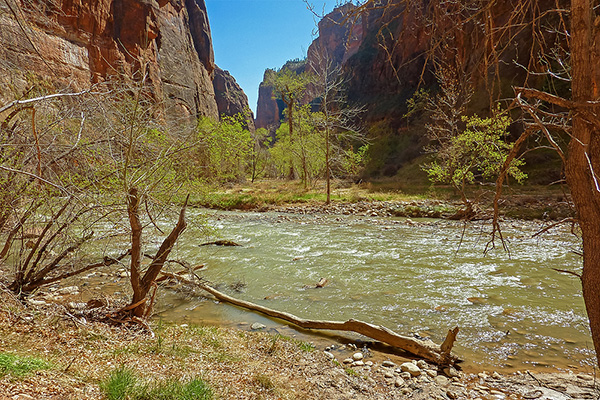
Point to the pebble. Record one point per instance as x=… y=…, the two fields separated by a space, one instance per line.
x=496 y=375
x=585 y=377
x=405 y=375
x=369 y=363
x=441 y=380
x=358 y=363
x=410 y=368
x=69 y=290
x=357 y=356
x=388 y=374
x=399 y=382
x=422 y=364
x=348 y=361
x=432 y=373
x=451 y=372
x=388 y=364
x=451 y=394
x=329 y=355
x=256 y=326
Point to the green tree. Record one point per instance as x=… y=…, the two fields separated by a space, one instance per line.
x=225 y=148
x=259 y=155
x=303 y=151
x=478 y=150
x=337 y=121
x=290 y=87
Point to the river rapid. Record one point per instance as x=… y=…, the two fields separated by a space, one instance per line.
x=420 y=276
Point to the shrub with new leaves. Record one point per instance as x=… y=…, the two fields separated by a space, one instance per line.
x=477 y=151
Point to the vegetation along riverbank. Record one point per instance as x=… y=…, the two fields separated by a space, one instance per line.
x=404 y=125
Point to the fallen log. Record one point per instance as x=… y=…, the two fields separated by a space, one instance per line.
x=221 y=243
x=425 y=349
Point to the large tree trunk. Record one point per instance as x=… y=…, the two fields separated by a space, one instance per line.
x=583 y=161
x=141 y=285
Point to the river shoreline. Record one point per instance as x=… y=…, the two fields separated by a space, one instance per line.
x=236 y=363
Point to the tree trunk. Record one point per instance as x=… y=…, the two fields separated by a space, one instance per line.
x=141 y=285
x=290 y=106
x=583 y=161
x=327 y=162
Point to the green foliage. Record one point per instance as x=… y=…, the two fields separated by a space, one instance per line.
x=123 y=384
x=304 y=151
x=353 y=162
x=288 y=85
x=417 y=103
x=479 y=150
x=11 y=364
x=259 y=154
x=226 y=148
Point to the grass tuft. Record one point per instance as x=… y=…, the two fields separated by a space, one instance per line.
x=122 y=384
x=14 y=365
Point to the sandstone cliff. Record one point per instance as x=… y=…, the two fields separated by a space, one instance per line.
x=339 y=39
x=231 y=99
x=72 y=44
x=386 y=53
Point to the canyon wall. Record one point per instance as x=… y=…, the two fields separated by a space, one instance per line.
x=74 y=44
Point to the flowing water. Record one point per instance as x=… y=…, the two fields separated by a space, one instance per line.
x=514 y=310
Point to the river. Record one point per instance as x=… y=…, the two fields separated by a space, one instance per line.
x=419 y=276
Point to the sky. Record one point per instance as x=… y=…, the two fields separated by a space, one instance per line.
x=250 y=36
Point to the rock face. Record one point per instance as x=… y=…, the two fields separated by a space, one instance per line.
x=267 y=110
x=76 y=43
x=231 y=99
x=385 y=53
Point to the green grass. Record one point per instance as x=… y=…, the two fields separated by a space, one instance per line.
x=14 y=365
x=123 y=384
x=120 y=384
x=302 y=345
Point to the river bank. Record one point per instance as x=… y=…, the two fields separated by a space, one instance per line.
x=528 y=203
x=237 y=364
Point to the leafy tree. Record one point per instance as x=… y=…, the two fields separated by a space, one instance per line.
x=226 y=147
x=259 y=155
x=303 y=152
x=478 y=150
x=290 y=87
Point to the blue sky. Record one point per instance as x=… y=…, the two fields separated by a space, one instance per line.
x=252 y=35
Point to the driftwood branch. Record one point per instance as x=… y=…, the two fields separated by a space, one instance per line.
x=425 y=349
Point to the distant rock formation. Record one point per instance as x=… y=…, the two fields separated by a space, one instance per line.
x=76 y=43
x=385 y=53
x=339 y=38
x=231 y=99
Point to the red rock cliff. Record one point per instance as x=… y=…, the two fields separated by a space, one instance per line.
x=76 y=43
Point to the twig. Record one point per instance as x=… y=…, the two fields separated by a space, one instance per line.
x=546 y=229
x=567 y=272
